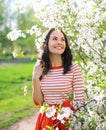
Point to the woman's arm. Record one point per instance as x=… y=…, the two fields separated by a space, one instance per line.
x=78 y=83
x=37 y=93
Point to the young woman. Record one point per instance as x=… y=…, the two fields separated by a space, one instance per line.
x=55 y=77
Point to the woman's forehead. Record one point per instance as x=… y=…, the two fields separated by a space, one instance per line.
x=56 y=33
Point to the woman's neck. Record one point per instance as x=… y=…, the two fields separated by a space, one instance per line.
x=56 y=60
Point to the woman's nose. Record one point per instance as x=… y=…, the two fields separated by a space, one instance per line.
x=59 y=41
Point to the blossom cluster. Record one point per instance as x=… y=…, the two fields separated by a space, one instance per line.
x=85 y=25
x=90 y=115
x=15 y=34
x=23 y=6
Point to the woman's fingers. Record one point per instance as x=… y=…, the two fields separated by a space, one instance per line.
x=38 y=69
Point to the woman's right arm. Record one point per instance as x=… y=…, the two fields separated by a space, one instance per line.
x=37 y=93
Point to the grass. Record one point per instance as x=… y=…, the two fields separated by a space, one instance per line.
x=13 y=103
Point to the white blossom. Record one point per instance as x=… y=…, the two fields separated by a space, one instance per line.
x=25 y=90
x=14 y=54
x=23 y=6
x=50 y=111
x=85 y=125
x=92 y=68
x=15 y=34
x=35 y=30
x=77 y=126
x=56 y=128
x=42 y=109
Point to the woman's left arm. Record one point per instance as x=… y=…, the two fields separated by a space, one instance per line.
x=78 y=83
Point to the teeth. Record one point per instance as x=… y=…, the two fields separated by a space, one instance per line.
x=58 y=47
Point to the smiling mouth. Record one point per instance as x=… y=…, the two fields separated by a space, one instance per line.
x=59 y=47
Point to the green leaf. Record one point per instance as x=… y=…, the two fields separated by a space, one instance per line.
x=67 y=124
x=71 y=96
x=49 y=127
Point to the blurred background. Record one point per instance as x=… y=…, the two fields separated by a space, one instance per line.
x=16 y=64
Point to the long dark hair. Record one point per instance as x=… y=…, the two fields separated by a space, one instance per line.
x=66 y=56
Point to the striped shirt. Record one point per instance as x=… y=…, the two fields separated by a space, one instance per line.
x=56 y=86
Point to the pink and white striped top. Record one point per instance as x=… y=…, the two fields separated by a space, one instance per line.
x=56 y=86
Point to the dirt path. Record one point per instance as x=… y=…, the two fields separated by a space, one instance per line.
x=27 y=123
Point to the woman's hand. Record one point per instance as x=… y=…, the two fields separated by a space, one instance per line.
x=38 y=70
x=37 y=73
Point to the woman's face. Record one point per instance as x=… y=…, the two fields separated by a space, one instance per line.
x=56 y=43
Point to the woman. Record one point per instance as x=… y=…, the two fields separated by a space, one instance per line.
x=55 y=77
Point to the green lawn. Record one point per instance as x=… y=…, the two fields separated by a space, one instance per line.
x=13 y=103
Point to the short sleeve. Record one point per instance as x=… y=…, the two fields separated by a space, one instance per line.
x=36 y=103
x=78 y=83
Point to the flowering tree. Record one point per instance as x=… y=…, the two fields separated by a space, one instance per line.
x=85 y=27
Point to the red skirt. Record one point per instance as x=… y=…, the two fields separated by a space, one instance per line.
x=43 y=121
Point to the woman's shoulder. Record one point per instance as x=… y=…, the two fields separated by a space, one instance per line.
x=75 y=66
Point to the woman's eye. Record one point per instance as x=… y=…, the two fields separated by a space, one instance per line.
x=62 y=39
x=54 y=38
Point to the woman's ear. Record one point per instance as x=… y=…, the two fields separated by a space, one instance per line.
x=42 y=62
